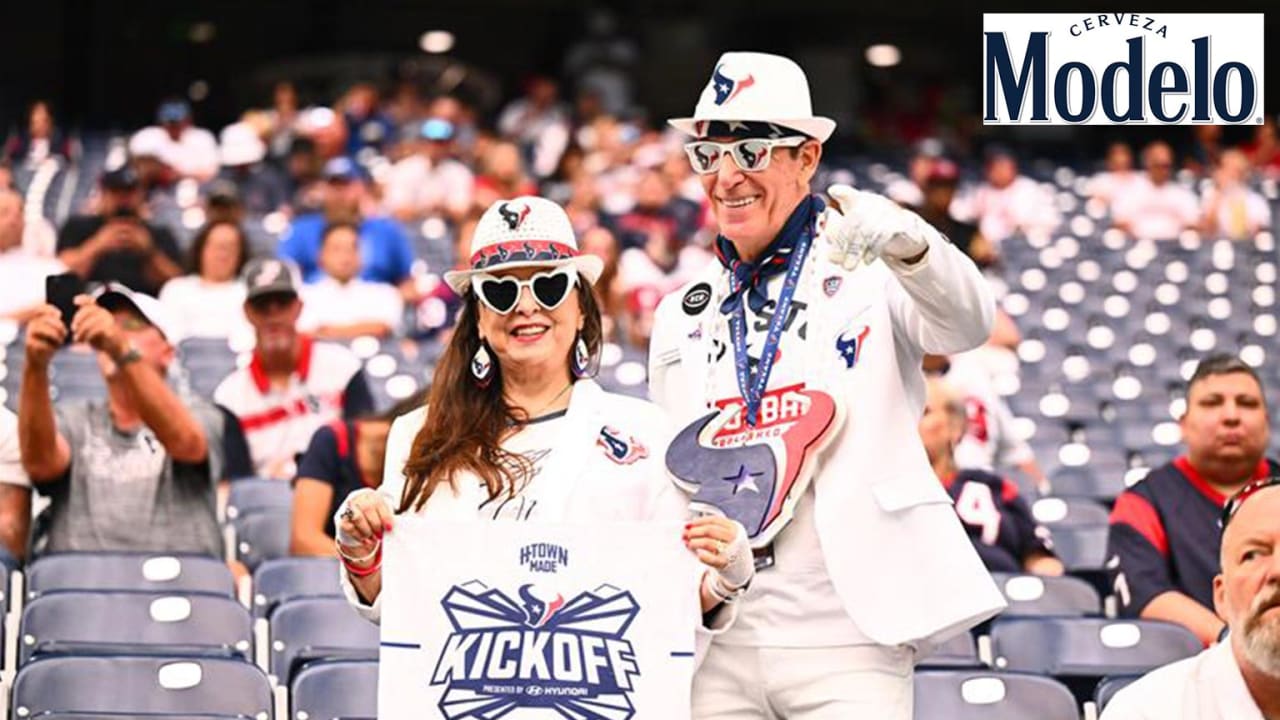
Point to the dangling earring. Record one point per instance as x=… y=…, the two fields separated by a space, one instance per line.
x=581 y=358
x=482 y=365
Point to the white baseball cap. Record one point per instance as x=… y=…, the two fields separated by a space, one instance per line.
x=756 y=87
x=524 y=232
x=114 y=296
x=239 y=144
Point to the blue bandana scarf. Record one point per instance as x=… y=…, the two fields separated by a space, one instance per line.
x=750 y=279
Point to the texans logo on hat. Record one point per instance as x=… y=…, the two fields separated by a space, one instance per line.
x=728 y=88
x=755 y=474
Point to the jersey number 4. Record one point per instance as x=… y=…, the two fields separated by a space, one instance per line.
x=976 y=507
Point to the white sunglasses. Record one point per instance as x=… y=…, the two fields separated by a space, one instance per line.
x=502 y=294
x=751 y=154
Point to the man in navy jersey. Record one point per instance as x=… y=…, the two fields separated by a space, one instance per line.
x=1164 y=538
x=997 y=518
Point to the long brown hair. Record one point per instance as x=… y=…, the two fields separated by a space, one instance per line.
x=466 y=423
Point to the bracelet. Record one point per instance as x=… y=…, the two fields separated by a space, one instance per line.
x=376 y=549
x=714 y=585
x=359 y=572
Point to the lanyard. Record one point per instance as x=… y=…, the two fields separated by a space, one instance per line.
x=753 y=389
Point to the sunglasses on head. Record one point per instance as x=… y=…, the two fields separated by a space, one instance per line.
x=1233 y=504
x=502 y=294
x=751 y=154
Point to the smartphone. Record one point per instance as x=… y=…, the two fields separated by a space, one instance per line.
x=60 y=291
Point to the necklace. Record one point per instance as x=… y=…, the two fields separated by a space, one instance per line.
x=534 y=415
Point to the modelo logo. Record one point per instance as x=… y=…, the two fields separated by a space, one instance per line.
x=536 y=651
x=1122 y=68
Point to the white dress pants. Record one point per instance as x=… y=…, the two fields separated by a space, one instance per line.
x=849 y=682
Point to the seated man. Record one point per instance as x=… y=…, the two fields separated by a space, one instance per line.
x=1239 y=677
x=998 y=520
x=340 y=305
x=138 y=470
x=22 y=272
x=1163 y=541
x=15 y=490
x=293 y=385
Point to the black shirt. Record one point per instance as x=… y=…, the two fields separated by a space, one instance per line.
x=997 y=519
x=331 y=459
x=122 y=266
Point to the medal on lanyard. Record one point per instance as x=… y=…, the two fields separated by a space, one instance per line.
x=753 y=389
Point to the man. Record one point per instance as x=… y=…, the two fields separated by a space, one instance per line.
x=1156 y=207
x=938 y=191
x=341 y=306
x=1163 y=529
x=191 y=151
x=117 y=244
x=383 y=245
x=835 y=320
x=1238 y=678
x=137 y=471
x=15 y=490
x=1231 y=208
x=430 y=181
x=1008 y=202
x=997 y=518
x=22 y=272
x=260 y=186
x=293 y=385
x=1118 y=177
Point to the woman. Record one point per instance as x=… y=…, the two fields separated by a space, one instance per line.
x=515 y=422
x=210 y=301
x=343 y=456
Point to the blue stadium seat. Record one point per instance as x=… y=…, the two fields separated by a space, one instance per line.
x=250 y=495
x=134 y=686
x=1109 y=686
x=1056 y=512
x=984 y=695
x=1082 y=549
x=261 y=536
x=960 y=651
x=1088 y=647
x=129 y=571
x=309 y=629
x=1085 y=482
x=78 y=622
x=283 y=579
x=1033 y=595
x=346 y=689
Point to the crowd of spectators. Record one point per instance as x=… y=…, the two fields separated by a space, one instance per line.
x=356 y=189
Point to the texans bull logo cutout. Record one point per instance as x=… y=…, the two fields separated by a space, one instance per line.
x=755 y=474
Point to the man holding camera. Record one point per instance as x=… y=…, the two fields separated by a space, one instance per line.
x=135 y=471
x=117 y=244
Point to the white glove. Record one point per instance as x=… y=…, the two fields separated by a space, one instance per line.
x=342 y=537
x=866 y=226
x=740 y=564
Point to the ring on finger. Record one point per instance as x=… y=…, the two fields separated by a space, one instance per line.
x=720 y=546
x=349 y=514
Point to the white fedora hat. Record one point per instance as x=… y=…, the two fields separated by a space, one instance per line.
x=524 y=232
x=756 y=87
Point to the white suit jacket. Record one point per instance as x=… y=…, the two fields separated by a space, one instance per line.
x=600 y=490
x=896 y=553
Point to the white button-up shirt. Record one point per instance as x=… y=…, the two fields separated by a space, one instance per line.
x=1208 y=686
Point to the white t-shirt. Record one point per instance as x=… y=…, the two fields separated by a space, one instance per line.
x=636 y=269
x=1208 y=686
x=1240 y=211
x=537 y=440
x=194 y=154
x=206 y=309
x=1000 y=212
x=328 y=302
x=989 y=440
x=11 y=472
x=793 y=603
x=413 y=182
x=1108 y=185
x=22 y=277
x=1156 y=213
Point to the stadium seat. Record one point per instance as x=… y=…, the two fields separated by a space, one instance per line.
x=309 y=629
x=1055 y=512
x=1033 y=595
x=1109 y=686
x=1082 y=548
x=1085 y=482
x=76 y=622
x=129 y=571
x=960 y=651
x=261 y=536
x=135 y=686
x=283 y=579
x=346 y=689
x=984 y=695
x=249 y=495
x=1088 y=647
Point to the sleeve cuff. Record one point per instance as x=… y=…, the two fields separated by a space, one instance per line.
x=369 y=611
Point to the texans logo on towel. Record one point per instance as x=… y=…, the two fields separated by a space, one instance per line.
x=755 y=475
x=622 y=449
x=726 y=87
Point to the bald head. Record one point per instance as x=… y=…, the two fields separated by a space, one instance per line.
x=1247 y=592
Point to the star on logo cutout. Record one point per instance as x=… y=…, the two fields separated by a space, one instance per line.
x=744 y=480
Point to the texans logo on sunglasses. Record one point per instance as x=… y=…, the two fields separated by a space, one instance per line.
x=502 y=294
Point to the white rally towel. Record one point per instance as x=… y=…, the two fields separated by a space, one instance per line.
x=533 y=621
